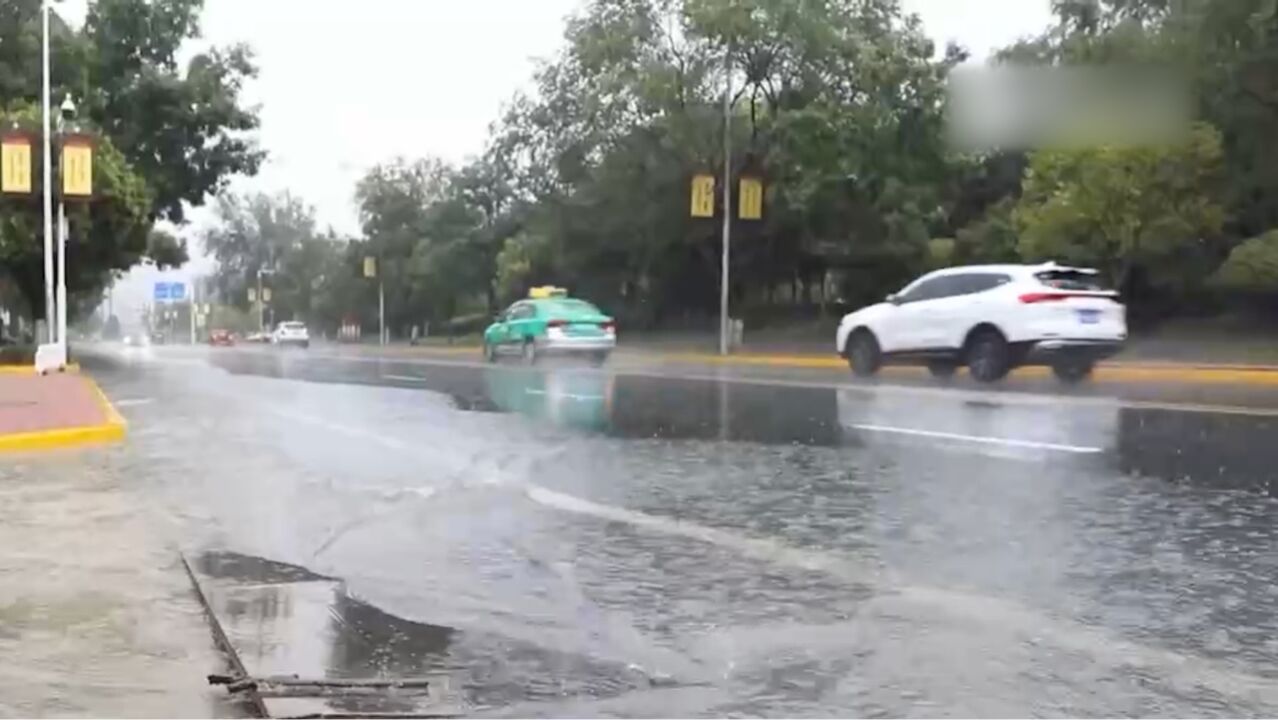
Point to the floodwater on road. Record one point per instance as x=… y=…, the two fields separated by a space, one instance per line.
x=566 y=541
x=95 y=618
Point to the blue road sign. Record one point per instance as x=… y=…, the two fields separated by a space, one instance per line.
x=170 y=291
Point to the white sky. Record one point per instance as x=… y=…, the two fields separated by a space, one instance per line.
x=346 y=85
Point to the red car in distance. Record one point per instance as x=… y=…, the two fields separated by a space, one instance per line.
x=221 y=337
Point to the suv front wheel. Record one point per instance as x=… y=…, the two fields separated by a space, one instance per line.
x=864 y=356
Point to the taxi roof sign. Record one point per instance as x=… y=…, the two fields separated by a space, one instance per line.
x=547 y=291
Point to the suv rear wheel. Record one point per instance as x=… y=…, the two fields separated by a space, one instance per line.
x=864 y=356
x=988 y=356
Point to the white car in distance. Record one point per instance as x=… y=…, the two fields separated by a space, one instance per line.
x=992 y=319
x=291 y=333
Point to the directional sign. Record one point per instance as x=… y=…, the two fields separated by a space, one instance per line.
x=165 y=291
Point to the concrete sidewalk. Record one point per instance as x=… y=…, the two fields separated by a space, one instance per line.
x=58 y=410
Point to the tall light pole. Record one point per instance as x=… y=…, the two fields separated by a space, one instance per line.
x=727 y=200
x=67 y=113
x=46 y=111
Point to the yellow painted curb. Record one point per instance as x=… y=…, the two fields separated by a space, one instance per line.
x=1113 y=372
x=1117 y=371
x=113 y=430
x=30 y=369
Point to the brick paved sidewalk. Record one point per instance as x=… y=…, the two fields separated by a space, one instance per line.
x=54 y=410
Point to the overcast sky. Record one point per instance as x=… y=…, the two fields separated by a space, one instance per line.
x=346 y=85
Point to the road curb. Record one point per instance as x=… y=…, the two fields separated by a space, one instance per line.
x=113 y=429
x=30 y=369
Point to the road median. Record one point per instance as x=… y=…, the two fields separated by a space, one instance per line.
x=1118 y=370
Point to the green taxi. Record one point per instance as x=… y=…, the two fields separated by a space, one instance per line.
x=549 y=322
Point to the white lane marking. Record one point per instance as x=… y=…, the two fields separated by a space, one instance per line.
x=980 y=439
x=404 y=378
x=1187 y=671
x=133 y=402
x=570 y=396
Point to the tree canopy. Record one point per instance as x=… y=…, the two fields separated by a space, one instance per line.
x=839 y=108
x=166 y=135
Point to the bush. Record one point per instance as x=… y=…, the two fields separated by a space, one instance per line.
x=17 y=355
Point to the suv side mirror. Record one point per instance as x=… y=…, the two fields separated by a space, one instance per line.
x=893 y=298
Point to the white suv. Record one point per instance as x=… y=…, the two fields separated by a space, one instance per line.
x=991 y=318
x=291 y=333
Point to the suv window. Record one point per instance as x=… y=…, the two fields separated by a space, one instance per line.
x=980 y=282
x=954 y=285
x=932 y=289
x=1069 y=280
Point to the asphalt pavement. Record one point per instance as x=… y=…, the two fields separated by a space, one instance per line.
x=667 y=540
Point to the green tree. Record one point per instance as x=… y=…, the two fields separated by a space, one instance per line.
x=277 y=236
x=111 y=233
x=167 y=135
x=1122 y=209
x=1252 y=266
x=992 y=239
x=837 y=106
x=395 y=208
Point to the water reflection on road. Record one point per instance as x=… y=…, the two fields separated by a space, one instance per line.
x=778 y=547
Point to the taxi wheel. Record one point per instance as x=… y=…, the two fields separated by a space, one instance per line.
x=490 y=354
x=598 y=359
x=530 y=352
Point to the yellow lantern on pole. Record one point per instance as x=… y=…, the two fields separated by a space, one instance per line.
x=751 y=199
x=702 y=196
x=77 y=167
x=15 y=163
x=370 y=267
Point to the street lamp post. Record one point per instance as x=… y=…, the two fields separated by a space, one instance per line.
x=46 y=110
x=67 y=113
x=261 y=300
x=727 y=200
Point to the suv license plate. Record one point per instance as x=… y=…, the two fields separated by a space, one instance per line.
x=1089 y=317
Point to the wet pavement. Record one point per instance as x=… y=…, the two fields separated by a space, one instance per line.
x=565 y=541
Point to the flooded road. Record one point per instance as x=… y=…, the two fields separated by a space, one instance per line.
x=567 y=541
